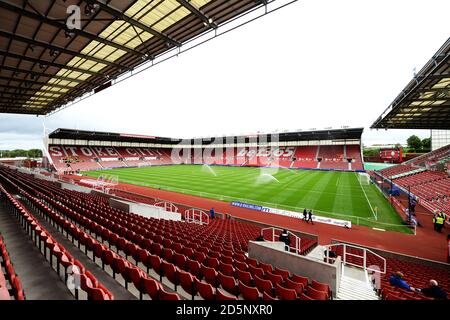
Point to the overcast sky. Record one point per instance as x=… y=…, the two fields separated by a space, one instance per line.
x=313 y=64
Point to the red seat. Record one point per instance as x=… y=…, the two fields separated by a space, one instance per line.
x=266 y=267
x=98 y=251
x=212 y=262
x=297 y=287
x=130 y=249
x=164 y=295
x=241 y=265
x=254 y=271
x=316 y=294
x=156 y=249
x=188 y=252
x=268 y=297
x=155 y=262
x=118 y=265
x=199 y=256
x=193 y=267
x=264 y=285
x=274 y=278
x=240 y=257
x=228 y=283
x=151 y=287
x=226 y=259
x=186 y=281
x=321 y=287
x=284 y=273
x=284 y=293
x=226 y=269
x=394 y=297
x=17 y=289
x=300 y=279
x=305 y=297
x=205 y=290
x=167 y=254
x=143 y=255
x=249 y=293
x=131 y=272
x=169 y=271
x=252 y=262
x=209 y=275
x=222 y=296
x=244 y=276
x=98 y=294
x=179 y=260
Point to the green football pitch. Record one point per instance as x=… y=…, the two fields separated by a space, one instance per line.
x=329 y=193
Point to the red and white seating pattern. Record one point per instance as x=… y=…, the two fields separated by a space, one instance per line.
x=396 y=170
x=432 y=157
x=95 y=158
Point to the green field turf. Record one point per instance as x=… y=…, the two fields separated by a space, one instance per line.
x=328 y=193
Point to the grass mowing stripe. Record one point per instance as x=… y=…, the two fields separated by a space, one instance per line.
x=329 y=192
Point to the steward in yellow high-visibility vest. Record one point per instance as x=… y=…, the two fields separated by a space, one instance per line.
x=439 y=223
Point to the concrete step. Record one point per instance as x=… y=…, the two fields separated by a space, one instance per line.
x=317 y=253
x=353 y=289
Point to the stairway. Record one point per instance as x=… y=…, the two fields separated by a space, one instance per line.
x=317 y=253
x=355 y=285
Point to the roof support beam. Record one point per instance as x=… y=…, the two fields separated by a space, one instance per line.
x=36 y=83
x=198 y=13
x=20 y=90
x=59 y=25
x=48 y=63
x=40 y=74
x=7 y=109
x=122 y=16
x=61 y=50
x=24 y=100
x=22 y=105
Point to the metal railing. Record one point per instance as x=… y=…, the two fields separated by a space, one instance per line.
x=196 y=216
x=168 y=206
x=346 y=254
x=274 y=236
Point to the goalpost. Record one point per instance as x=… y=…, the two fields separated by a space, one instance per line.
x=364 y=178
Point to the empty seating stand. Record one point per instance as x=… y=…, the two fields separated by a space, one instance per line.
x=188 y=256
x=57 y=255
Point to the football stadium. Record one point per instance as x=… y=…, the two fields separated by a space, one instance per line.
x=306 y=214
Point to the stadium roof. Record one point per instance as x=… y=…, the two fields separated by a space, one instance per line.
x=425 y=101
x=46 y=64
x=107 y=136
x=328 y=134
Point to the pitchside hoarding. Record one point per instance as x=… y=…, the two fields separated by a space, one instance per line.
x=293 y=214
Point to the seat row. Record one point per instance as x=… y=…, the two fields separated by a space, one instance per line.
x=118 y=265
x=58 y=257
x=8 y=276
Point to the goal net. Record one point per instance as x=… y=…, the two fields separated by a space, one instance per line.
x=364 y=178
